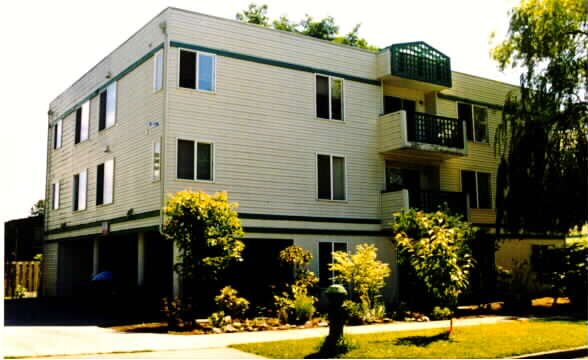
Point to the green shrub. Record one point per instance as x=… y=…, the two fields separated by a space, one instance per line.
x=178 y=313
x=303 y=309
x=358 y=313
x=441 y=313
x=19 y=292
x=230 y=303
x=219 y=319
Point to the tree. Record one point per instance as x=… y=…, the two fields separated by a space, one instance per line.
x=352 y=39
x=206 y=230
x=38 y=208
x=255 y=14
x=437 y=247
x=283 y=23
x=325 y=29
x=542 y=138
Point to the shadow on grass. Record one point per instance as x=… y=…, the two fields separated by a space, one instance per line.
x=423 y=340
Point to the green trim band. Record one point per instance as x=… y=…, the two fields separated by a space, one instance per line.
x=308 y=218
x=307 y=231
x=266 y=61
x=113 y=233
x=469 y=101
x=117 y=220
x=119 y=76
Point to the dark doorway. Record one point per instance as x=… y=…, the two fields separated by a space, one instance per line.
x=260 y=270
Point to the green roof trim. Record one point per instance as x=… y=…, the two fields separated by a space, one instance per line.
x=420 y=61
x=272 y=62
x=469 y=101
x=117 y=220
x=117 y=77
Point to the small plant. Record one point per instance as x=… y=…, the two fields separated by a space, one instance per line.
x=441 y=313
x=219 y=319
x=363 y=312
x=178 y=313
x=230 y=303
x=19 y=293
x=303 y=309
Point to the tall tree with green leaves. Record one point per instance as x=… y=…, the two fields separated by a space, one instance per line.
x=542 y=138
x=255 y=14
x=38 y=208
x=324 y=29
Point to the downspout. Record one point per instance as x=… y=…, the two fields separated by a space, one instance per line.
x=163 y=26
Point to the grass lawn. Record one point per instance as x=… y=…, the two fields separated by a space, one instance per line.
x=484 y=341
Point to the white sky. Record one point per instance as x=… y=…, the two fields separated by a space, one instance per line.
x=47 y=45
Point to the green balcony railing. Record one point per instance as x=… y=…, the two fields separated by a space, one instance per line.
x=420 y=61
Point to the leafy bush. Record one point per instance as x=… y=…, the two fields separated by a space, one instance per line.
x=516 y=285
x=178 y=313
x=19 y=292
x=358 y=313
x=219 y=319
x=230 y=303
x=441 y=313
x=303 y=309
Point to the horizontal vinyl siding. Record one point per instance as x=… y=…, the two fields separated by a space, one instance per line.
x=390 y=132
x=263 y=124
x=277 y=45
x=130 y=145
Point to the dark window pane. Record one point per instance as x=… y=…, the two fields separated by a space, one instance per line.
x=338 y=178
x=55 y=134
x=394 y=180
x=468 y=186
x=204 y=171
x=341 y=247
x=484 y=191
x=325 y=258
x=392 y=104
x=102 y=117
x=464 y=112
x=410 y=107
x=187 y=69
x=53 y=199
x=76 y=191
x=324 y=176
x=185 y=159
x=481 y=121
x=78 y=126
x=337 y=99
x=100 y=185
x=322 y=97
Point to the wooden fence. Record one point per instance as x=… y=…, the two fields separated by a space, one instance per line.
x=26 y=274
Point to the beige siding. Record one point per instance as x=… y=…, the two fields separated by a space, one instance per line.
x=271 y=44
x=390 y=131
x=393 y=202
x=49 y=271
x=266 y=135
x=514 y=251
x=383 y=63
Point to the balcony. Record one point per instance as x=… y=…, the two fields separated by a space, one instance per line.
x=429 y=201
x=422 y=135
x=415 y=65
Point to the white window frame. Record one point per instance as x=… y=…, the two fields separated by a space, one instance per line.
x=331 y=78
x=111 y=95
x=108 y=187
x=473 y=124
x=332 y=182
x=55 y=199
x=213 y=159
x=85 y=108
x=156 y=149
x=158 y=71
x=332 y=242
x=58 y=135
x=82 y=191
x=198 y=53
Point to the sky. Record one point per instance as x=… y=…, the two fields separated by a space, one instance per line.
x=48 y=45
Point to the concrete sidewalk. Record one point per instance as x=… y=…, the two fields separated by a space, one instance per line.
x=29 y=341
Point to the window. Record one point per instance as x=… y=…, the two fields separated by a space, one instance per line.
x=107 y=116
x=476 y=120
x=105 y=183
x=326 y=250
x=57 y=132
x=197 y=70
x=158 y=72
x=329 y=97
x=156 y=161
x=477 y=186
x=331 y=177
x=195 y=160
x=55 y=196
x=79 y=190
x=82 y=123
x=393 y=104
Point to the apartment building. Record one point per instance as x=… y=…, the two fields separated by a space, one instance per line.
x=318 y=142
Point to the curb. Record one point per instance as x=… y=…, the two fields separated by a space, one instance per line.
x=572 y=353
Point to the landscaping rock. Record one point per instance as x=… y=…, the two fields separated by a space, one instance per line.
x=230 y=329
x=323 y=324
x=217 y=331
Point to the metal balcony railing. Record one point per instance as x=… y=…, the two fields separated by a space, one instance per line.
x=420 y=61
x=429 y=201
x=436 y=130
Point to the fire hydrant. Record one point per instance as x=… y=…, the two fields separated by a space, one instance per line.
x=336 y=294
